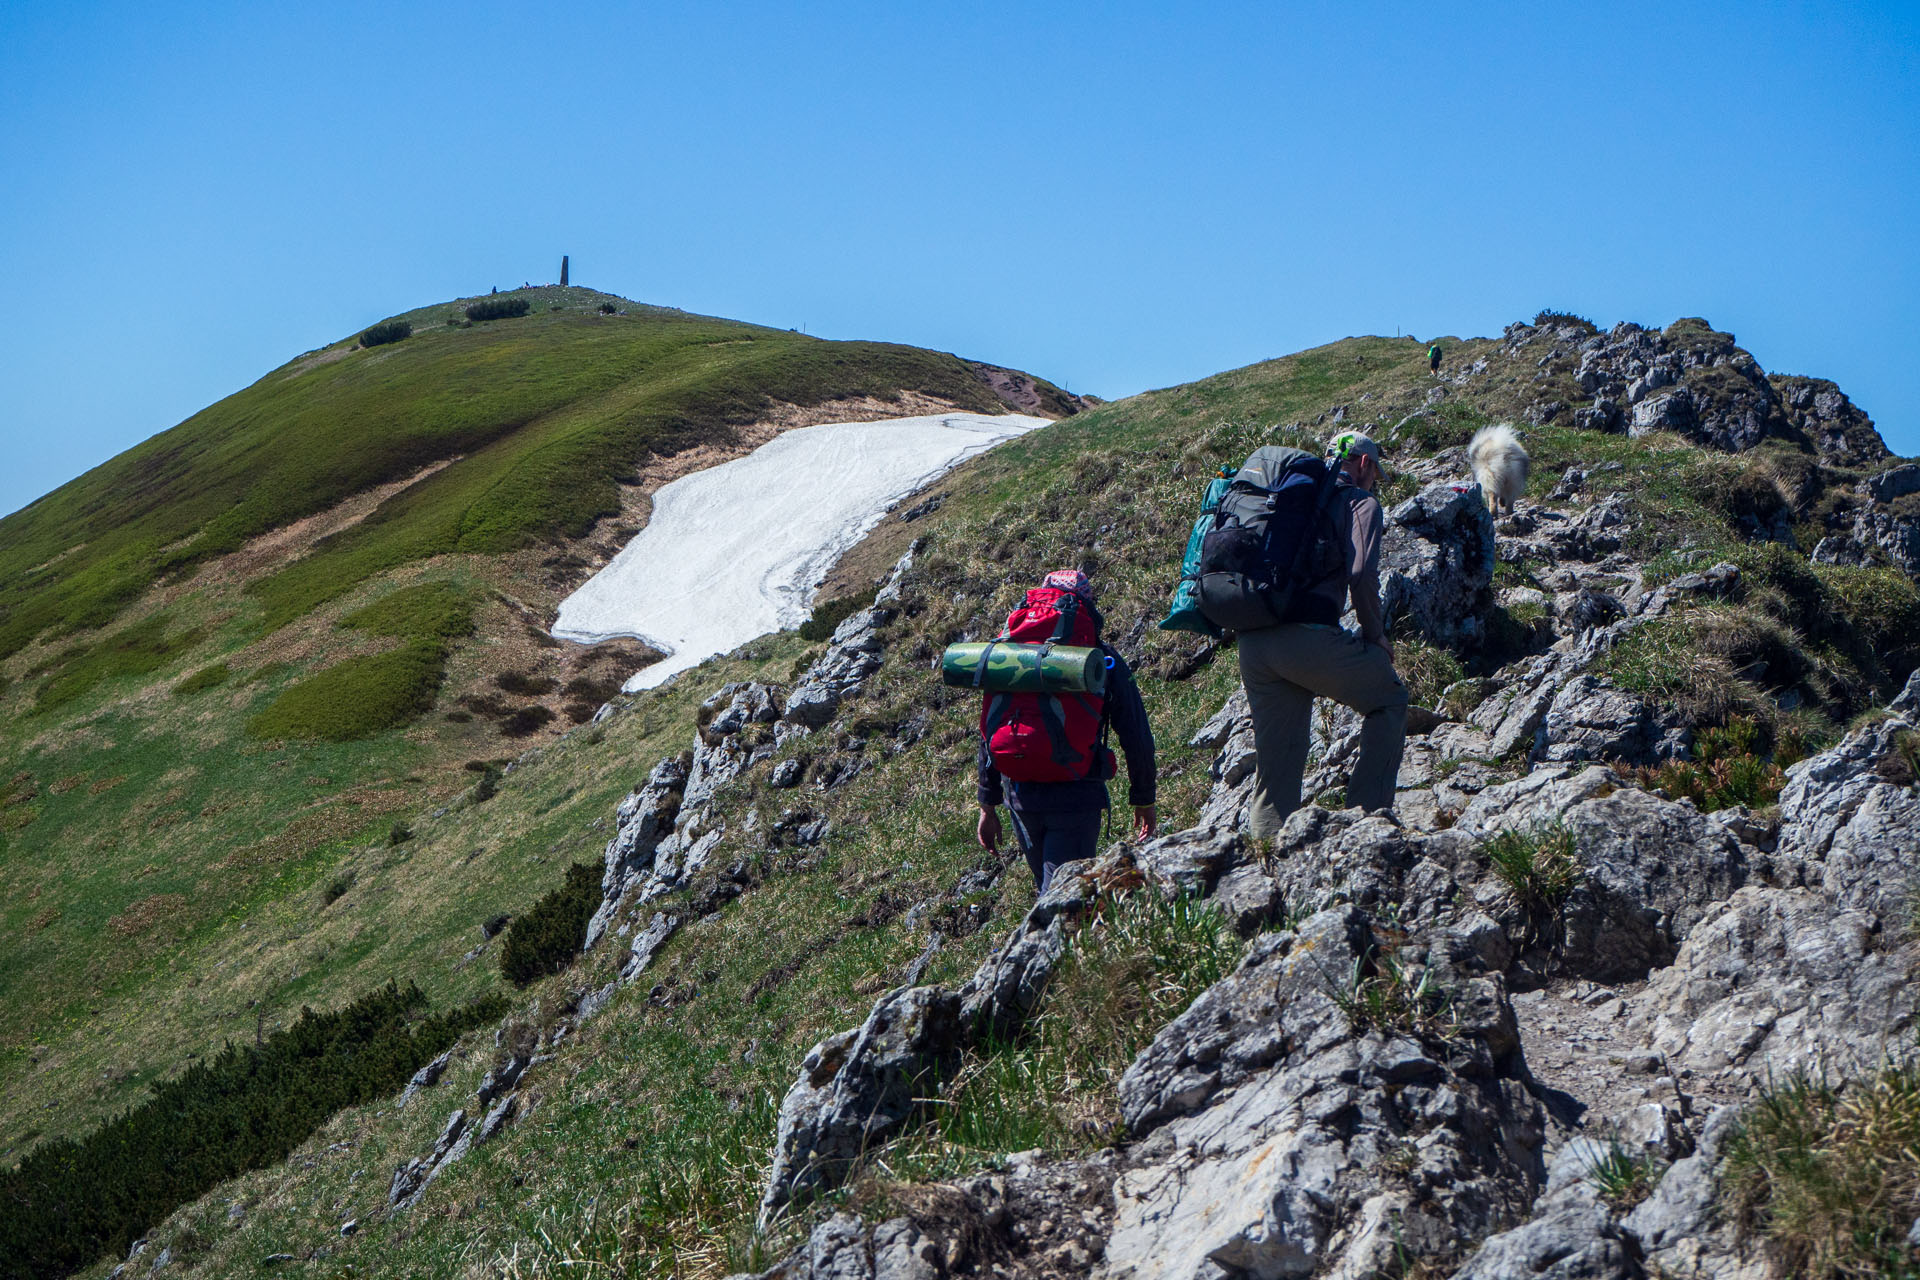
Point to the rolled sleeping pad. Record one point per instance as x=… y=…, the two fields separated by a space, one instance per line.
x=1011 y=666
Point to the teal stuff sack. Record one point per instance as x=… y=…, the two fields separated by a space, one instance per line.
x=1184 y=614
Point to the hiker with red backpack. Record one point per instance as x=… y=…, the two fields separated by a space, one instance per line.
x=1051 y=690
x=1287 y=539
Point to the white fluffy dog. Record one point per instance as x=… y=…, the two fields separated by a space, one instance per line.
x=1500 y=465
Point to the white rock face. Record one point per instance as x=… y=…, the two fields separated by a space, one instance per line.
x=736 y=551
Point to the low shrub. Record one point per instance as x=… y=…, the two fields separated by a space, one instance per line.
x=829 y=614
x=524 y=685
x=1549 y=318
x=203 y=679
x=1828 y=1178
x=385 y=332
x=366 y=695
x=545 y=938
x=356 y=698
x=72 y=1201
x=498 y=308
x=525 y=722
x=1727 y=769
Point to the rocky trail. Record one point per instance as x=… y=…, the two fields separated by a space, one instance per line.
x=1427 y=1055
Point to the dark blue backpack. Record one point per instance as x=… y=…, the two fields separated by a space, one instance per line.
x=1272 y=536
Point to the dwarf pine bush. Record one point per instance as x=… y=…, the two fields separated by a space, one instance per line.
x=498 y=308
x=72 y=1200
x=385 y=332
x=547 y=938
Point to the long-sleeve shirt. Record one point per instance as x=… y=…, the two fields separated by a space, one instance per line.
x=1127 y=714
x=1359 y=522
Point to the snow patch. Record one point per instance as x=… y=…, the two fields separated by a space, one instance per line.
x=737 y=550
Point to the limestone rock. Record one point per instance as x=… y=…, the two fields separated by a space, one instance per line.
x=857 y=1088
x=1282 y=1140
x=1591 y=719
x=1436 y=563
x=1774 y=982
x=853 y=655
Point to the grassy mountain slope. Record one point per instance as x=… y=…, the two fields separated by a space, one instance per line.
x=644 y=1143
x=248 y=648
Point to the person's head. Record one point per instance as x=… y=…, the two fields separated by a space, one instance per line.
x=1070 y=580
x=1358 y=457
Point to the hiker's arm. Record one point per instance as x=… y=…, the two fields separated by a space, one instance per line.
x=988 y=830
x=1129 y=719
x=1364 y=572
x=988 y=790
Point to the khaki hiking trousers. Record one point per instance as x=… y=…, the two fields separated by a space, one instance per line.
x=1283 y=668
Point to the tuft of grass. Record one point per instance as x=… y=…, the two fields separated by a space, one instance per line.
x=1386 y=995
x=1537 y=865
x=1427 y=671
x=1622 y=1177
x=1828 y=1178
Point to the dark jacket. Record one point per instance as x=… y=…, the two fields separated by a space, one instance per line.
x=1127 y=715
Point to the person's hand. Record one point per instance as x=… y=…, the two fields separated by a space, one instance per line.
x=989 y=831
x=1145 y=822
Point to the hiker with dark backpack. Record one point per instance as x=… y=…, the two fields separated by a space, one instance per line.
x=1433 y=358
x=1052 y=689
x=1292 y=538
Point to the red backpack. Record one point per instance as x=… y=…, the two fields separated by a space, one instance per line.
x=1049 y=737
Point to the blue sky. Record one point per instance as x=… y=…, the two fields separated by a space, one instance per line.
x=1116 y=196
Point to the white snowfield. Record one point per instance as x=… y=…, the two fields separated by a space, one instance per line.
x=737 y=550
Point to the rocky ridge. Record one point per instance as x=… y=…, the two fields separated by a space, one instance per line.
x=1276 y=1128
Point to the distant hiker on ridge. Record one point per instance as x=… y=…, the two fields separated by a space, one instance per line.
x=1046 y=754
x=1294 y=535
x=1433 y=358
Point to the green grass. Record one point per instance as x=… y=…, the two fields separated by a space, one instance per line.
x=1128 y=972
x=140 y=649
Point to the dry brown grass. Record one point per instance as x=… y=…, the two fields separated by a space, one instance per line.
x=1829 y=1178
x=147 y=913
